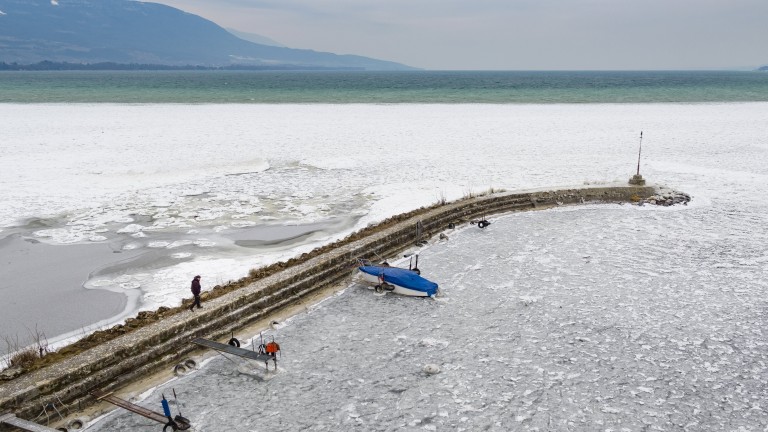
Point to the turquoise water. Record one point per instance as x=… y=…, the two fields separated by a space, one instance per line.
x=380 y=87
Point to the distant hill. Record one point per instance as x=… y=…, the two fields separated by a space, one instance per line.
x=763 y=68
x=125 y=31
x=255 y=38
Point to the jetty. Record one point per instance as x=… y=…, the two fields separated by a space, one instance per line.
x=160 y=346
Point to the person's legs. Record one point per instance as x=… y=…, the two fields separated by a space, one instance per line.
x=195 y=302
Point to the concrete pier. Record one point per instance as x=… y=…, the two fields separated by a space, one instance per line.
x=133 y=356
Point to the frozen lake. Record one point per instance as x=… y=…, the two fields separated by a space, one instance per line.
x=583 y=318
x=143 y=197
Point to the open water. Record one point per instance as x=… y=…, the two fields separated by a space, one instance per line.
x=193 y=87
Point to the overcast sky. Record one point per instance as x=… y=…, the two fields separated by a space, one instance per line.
x=511 y=34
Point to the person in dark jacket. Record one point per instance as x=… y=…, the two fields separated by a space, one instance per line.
x=196 y=293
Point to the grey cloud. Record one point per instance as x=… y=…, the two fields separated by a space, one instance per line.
x=511 y=34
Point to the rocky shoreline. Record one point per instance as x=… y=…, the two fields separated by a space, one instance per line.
x=667 y=197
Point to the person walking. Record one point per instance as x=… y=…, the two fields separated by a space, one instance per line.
x=196 y=292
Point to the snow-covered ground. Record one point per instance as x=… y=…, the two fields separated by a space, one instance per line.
x=582 y=318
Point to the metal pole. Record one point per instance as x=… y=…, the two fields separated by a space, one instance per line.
x=178 y=407
x=638 y=152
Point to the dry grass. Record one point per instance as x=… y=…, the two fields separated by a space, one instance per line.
x=441 y=199
x=23 y=356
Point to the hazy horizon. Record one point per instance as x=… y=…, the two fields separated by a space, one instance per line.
x=517 y=35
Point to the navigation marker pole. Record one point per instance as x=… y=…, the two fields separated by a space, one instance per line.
x=637 y=179
x=639 y=151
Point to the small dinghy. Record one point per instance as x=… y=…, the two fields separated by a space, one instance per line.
x=398 y=280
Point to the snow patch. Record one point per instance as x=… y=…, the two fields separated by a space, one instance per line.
x=333 y=163
x=131 y=229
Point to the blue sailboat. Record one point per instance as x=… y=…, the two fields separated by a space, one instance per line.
x=398 y=280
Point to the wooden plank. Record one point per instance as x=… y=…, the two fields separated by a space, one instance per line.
x=98 y=394
x=12 y=420
x=132 y=407
x=229 y=349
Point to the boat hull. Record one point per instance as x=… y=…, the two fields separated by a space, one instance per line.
x=404 y=282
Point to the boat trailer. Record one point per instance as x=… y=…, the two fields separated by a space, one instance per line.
x=174 y=423
x=266 y=352
x=12 y=420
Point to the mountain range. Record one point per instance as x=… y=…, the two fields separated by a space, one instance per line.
x=129 y=32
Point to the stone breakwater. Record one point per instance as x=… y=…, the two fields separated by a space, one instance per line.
x=666 y=197
x=159 y=346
